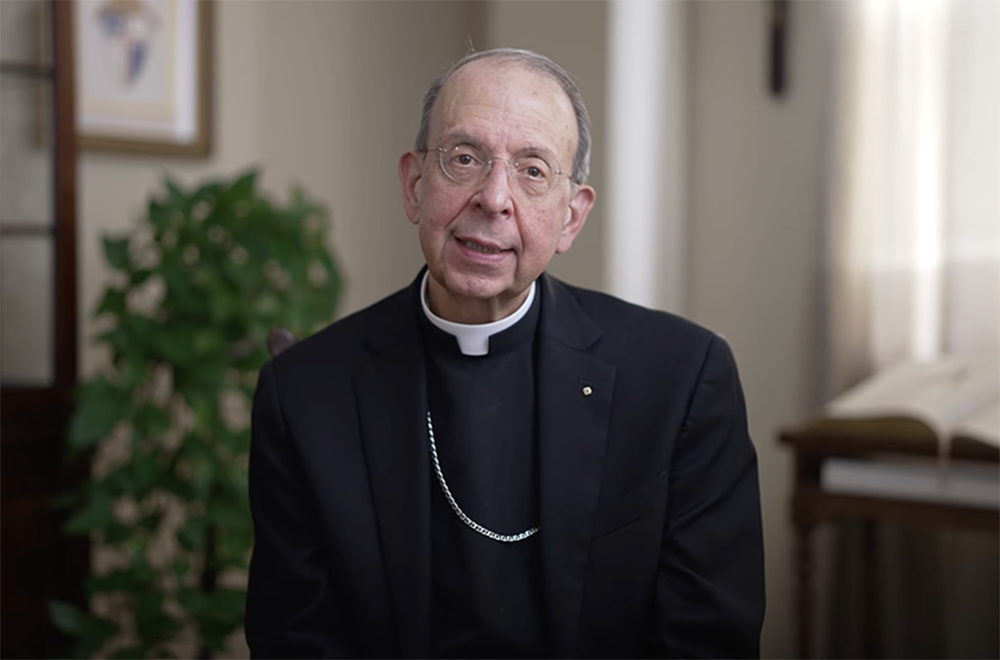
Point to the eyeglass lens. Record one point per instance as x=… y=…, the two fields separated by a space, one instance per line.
x=466 y=164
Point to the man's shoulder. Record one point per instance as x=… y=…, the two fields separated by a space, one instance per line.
x=646 y=343
x=342 y=341
x=614 y=315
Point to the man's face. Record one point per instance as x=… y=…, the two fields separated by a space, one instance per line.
x=485 y=242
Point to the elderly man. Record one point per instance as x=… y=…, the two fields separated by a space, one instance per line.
x=492 y=463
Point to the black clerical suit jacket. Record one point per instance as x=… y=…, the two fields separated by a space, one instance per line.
x=650 y=526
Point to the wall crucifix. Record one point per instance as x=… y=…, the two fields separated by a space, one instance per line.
x=777 y=42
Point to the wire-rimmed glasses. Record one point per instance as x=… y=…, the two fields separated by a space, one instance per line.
x=530 y=172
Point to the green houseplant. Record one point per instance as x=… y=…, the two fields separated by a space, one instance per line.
x=198 y=285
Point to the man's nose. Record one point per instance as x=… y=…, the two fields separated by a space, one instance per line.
x=495 y=189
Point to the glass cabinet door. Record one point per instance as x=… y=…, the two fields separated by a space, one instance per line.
x=27 y=217
x=38 y=324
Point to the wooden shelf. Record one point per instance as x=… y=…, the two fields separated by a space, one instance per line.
x=820 y=439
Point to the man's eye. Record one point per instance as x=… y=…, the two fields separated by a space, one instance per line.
x=462 y=158
x=533 y=170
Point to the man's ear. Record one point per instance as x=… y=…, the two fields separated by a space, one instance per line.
x=410 y=170
x=580 y=202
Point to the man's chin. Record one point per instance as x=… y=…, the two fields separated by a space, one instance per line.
x=477 y=294
x=481 y=289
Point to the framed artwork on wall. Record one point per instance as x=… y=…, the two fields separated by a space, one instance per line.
x=143 y=75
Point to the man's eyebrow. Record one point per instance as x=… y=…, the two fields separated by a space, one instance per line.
x=460 y=137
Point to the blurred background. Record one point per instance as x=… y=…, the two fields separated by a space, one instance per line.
x=817 y=181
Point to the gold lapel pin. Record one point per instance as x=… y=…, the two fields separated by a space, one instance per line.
x=588 y=390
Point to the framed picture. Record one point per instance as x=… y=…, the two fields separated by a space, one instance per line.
x=143 y=75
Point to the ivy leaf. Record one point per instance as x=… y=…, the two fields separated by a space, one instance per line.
x=100 y=406
x=191 y=534
x=134 y=373
x=138 y=277
x=116 y=252
x=159 y=215
x=192 y=600
x=118 y=481
x=143 y=574
x=151 y=420
x=176 y=199
x=241 y=441
x=213 y=636
x=150 y=620
x=180 y=567
x=116 y=533
x=152 y=521
x=227 y=304
x=162 y=653
x=228 y=515
x=66 y=617
x=223 y=613
x=225 y=606
x=210 y=189
x=117 y=338
x=232 y=546
x=124 y=580
x=146 y=469
x=208 y=342
x=242 y=188
x=97 y=514
x=129 y=653
x=94 y=634
x=112 y=303
x=176 y=346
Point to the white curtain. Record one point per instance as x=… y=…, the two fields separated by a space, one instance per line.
x=914 y=223
x=913 y=271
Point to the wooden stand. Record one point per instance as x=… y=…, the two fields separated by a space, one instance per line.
x=819 y=440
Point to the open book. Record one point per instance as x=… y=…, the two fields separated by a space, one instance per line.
x=954 y=397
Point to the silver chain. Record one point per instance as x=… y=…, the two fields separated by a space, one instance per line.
x=503 y=538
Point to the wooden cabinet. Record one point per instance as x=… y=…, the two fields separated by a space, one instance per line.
x=822 y=440
x=38 y=320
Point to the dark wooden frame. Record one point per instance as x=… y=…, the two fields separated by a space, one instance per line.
x=818 y=440
x=33 y=420
x=20 y=401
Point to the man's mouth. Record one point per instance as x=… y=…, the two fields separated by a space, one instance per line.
x=478 y=247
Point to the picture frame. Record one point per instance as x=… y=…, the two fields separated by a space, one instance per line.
x=144 y=75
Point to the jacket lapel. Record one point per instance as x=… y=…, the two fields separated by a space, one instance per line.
x=392 y=400
x=575 y=392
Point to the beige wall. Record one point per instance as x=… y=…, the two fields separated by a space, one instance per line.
x=320 y=94
x=572 y=32
x=755 y=193
x=757 y=171
x=345 y=84
x=327 y=94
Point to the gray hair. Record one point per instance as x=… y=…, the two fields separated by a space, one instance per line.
x=535 y=62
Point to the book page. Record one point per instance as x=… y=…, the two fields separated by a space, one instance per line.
x=939 y=393
x=983 y=425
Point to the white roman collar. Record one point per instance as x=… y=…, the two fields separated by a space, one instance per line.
x=474 y=339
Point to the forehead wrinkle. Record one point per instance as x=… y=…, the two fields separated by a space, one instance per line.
x=457 y=137
x=527 y=107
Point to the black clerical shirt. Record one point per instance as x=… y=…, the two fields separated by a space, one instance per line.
x=486 y=595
